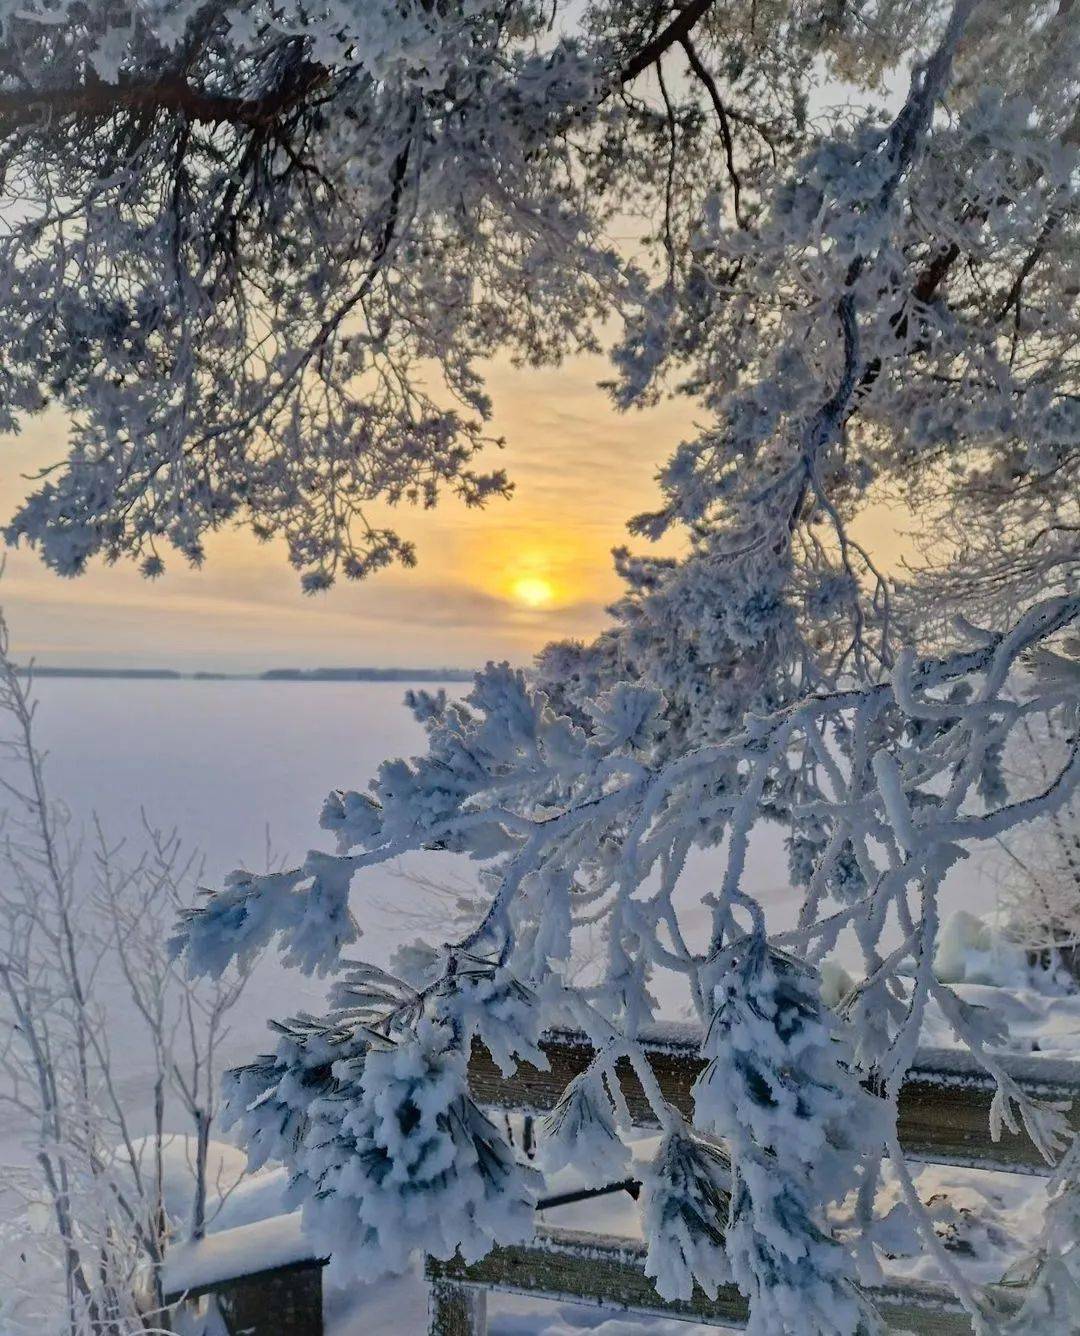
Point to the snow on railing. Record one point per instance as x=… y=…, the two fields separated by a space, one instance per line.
x=944 y=1104
x=944 y=1118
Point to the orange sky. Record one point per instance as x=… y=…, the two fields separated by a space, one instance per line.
x=494 y=583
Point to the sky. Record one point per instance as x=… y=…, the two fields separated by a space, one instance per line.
x=496 y=583
x=490 y=584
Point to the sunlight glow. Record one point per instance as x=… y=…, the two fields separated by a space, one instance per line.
x=533 y=590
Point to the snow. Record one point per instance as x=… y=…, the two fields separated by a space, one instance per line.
x=228 y=764
x=243 y=1251
x=567 y=1319
x=971 y=951
x=985 y=1219
x=226 y=1174
x=249 y=1232
x=337 y=734
x=398 y=1307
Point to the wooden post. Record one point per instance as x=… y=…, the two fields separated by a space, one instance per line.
x=457 y=1310
x=264 y=1303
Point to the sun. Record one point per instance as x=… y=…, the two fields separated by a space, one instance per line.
x=533 y=590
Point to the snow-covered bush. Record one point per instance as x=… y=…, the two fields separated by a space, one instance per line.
x=685 y=1202
x=371 y=1115
x=582 y=1130
x=781 y=1089
x=398 y=1158
x=973 y=951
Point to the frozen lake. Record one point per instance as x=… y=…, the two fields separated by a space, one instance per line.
x=224 y=762
x=228 y=762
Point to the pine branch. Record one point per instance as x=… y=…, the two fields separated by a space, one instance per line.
x=676 y=31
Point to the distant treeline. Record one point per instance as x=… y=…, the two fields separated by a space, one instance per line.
x=365 y=675
x=272 y=675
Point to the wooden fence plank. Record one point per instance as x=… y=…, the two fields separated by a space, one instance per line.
x=576 y=1267
x=944 y=1106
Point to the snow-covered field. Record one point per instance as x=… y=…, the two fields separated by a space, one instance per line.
x=227 y=762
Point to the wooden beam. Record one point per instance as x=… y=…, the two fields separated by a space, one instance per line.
x=944 y=1105
x=576 y=1267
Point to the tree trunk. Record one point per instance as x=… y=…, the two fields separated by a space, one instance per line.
x=202 y=1147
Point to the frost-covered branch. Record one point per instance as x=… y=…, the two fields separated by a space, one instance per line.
x=237 y=241
x=549 y=807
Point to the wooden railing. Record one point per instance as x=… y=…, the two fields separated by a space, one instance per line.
x=943 y=1119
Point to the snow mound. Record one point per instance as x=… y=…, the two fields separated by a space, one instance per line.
x=970 y=950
